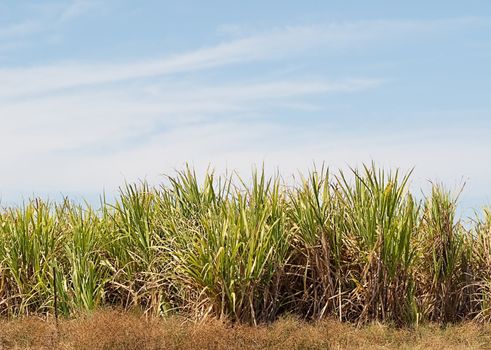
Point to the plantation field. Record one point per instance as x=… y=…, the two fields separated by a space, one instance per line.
x=354 y=247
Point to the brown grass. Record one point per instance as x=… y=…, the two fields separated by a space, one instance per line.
x=122 y=330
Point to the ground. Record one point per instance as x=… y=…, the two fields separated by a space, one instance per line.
x=116 y=330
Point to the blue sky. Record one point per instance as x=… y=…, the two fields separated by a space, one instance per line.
x=93 y=93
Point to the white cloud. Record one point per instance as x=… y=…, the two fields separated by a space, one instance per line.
x=78 y=8
x=79 y=127
x=100 y=119
x=18 y=29
x=47 y=19
x=239 y=144
x=276 y=44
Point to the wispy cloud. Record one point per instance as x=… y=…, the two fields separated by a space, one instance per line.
x=80 y=126
x=15 y=30
x=46 y=19
x=78 y=8
x=275 y=44
x=98 y=120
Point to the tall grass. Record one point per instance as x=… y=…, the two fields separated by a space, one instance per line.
x=356 y=246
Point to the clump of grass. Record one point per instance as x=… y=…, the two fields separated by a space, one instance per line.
x=319 y=248
x=32 y=242
x=230 y=252
x=445 y=259
x=381 y=220
x=353 y=246
x=480 y=290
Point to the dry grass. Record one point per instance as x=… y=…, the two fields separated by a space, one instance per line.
x=122 y=330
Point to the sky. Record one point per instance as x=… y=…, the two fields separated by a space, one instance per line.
x=94 y=93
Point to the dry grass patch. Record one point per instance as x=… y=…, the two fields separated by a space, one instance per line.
x=108 y=330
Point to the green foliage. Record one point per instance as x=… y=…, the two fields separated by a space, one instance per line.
x=355 y=246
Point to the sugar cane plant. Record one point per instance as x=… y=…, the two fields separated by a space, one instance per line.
x=357 y=246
